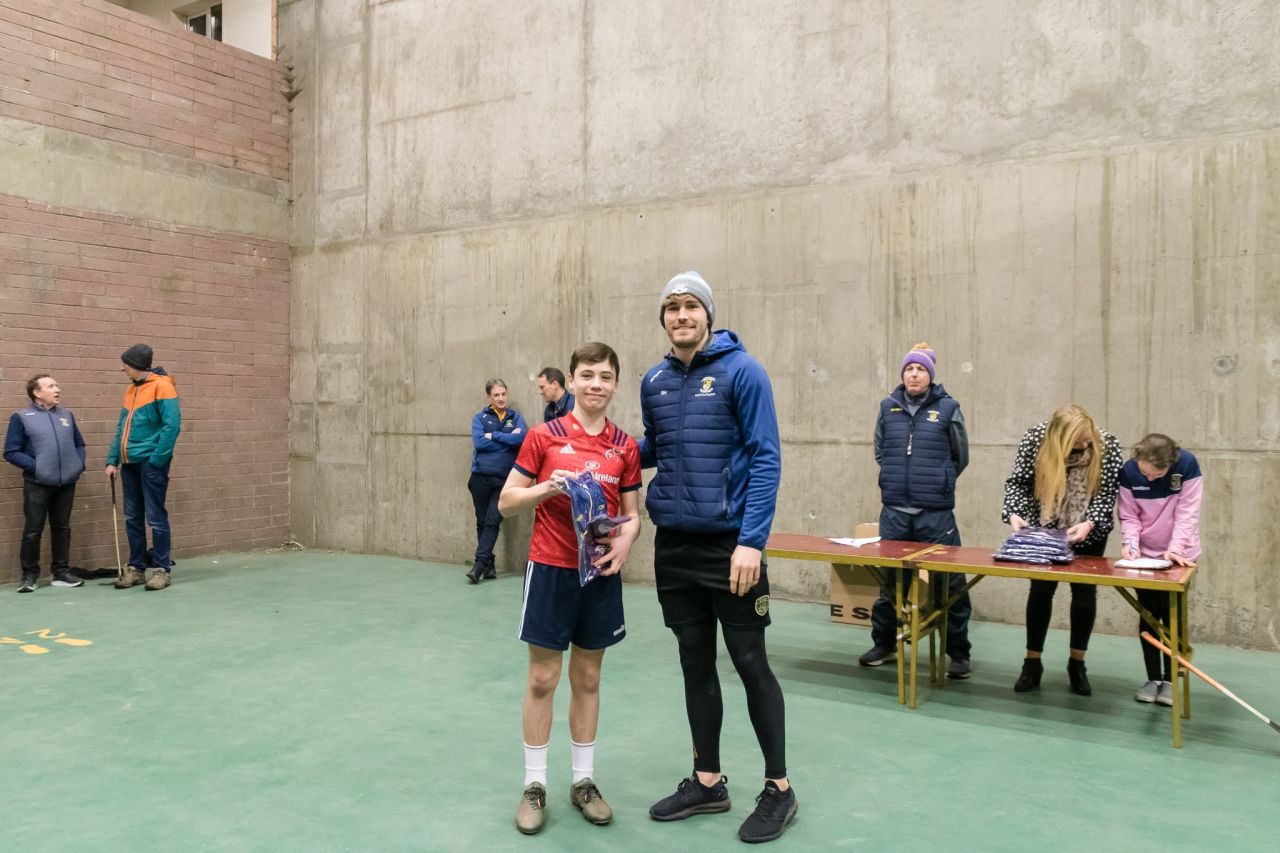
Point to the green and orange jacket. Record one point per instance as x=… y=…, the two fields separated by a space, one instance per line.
x=149 y=422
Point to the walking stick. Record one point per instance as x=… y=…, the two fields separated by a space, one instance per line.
x=115 y=528
x=1146 y=635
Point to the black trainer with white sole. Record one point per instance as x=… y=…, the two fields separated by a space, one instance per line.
x=877 y=655
x=66 y=579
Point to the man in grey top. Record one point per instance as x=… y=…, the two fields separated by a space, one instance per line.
x=922 y=447
x=44 y=441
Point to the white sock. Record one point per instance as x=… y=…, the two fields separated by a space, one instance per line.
x=584 y=760
x=535 y=764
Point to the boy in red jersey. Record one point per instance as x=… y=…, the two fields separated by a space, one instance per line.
x=557 y=611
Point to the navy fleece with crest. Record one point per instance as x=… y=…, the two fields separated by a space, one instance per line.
x=920 y=452
x=712 y=431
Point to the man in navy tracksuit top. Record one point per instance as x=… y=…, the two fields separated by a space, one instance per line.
x=496 y=435
x=44 y=441
x=711 y=429
x=921 y=446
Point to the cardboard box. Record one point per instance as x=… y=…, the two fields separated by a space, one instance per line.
x=853 y=592
x=853 y=588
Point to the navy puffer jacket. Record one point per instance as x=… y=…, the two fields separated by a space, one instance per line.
x=712 y=431
x=917 y=468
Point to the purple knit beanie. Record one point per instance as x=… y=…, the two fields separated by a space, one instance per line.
x=921 y=354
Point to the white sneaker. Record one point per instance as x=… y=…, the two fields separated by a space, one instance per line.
x=1165 y=696
x=1148 y=692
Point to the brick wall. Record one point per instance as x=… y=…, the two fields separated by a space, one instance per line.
x=94 y=68
x=78 y=286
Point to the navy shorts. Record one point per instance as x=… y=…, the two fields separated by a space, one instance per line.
x=692 y=573
x=558 y=611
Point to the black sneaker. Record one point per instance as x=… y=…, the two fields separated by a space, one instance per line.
x=691 y=798
x=29 y=583
x=66 y=579
x=877 y=655
x=489 y=574
x=473 y=575
x=774 y=812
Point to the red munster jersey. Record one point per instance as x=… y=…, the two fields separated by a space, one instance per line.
x=613 y=459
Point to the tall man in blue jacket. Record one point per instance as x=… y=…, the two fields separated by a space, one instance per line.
x=44 y=441
x=921 y=446
x=711 y=429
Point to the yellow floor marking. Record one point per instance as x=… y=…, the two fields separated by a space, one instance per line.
x=35 y=650
x=10 y=640
x=71 y=641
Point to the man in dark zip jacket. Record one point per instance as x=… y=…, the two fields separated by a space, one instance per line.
x=921 y=446
x=45 y=442
x=711 y=430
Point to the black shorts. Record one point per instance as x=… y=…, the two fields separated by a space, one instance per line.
x=692 y=573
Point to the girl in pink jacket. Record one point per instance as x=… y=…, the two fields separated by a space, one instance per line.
x=1159 y=509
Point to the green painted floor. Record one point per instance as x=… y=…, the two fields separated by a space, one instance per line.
x=316 y=701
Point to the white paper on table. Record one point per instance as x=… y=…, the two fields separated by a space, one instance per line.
x=1144 y=563
x=856 y=543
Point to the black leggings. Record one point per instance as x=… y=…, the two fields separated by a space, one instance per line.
x=1084 y=607
x=1157 y=602
x=703 y=701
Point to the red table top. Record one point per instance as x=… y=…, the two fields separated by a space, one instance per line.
x=947 y=558
x=1094 y=570
x=803 y=547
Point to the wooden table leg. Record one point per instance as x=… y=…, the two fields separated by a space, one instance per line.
x=915 y=633
x=899 y=629
x=1186 y=652
x=1175 y=644
x=934 y=669
x=942 y=625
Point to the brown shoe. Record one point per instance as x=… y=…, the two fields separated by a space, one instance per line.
x=131 y=577
x=586 y=798
x=159 y=579
x=531 y=814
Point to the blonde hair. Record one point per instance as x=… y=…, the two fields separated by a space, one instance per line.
x=1068 y=425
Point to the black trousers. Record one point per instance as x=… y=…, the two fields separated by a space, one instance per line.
x=1156 y=601
x=41 y=503
x=1084 y=607
x=485 y=489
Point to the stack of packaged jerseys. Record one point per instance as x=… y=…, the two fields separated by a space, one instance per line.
x=592 y=523
x=1039 y=545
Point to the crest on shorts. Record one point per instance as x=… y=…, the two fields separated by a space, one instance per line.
x=762 y=605
x=1175 y=483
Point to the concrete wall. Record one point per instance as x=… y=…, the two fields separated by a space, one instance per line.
x=142 y=198
x=1072 y=201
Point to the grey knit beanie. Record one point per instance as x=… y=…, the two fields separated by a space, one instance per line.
x=693 y=284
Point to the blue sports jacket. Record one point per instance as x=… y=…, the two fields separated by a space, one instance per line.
x=494 y=456
x=917 y=454
x=712 y=431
